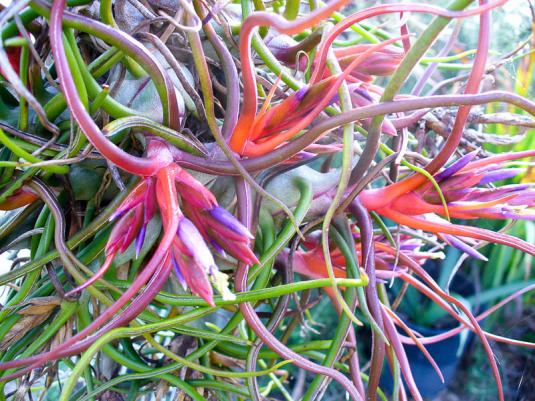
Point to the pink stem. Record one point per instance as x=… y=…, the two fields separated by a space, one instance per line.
x=354 y=365
x=401 y=356
x=132 y=164
x=414 y=340
x=502 y=157
x=472 y=87
x=437 y=293
x=384 y=9
x=457 y=330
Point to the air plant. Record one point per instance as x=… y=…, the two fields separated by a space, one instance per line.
x=197 y=181
x=465 y=193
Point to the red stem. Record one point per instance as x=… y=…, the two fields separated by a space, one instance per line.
x=490 y=336
x=414 y=340
x=401 y=356
x=436 y=294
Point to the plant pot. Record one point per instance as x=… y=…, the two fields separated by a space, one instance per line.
x=447 y=354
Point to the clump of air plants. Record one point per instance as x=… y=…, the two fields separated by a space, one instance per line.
x=183 y=188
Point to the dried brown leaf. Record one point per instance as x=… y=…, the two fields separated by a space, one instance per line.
x=39 y=306
x=62 y=335
x=21 y=328
x=227 y=361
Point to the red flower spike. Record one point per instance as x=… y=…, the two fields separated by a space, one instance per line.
x=181 y=246
x=380 y=63
x=188 y=253
x=311 y=263
x=285 y=120
x=463 y=185
x=292 y=109
x=193 y=192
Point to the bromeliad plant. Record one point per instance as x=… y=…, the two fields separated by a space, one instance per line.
x=240 y=170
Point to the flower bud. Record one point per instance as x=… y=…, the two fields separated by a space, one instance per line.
x=124 y=231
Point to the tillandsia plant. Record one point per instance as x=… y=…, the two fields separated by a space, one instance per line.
x=183 y=182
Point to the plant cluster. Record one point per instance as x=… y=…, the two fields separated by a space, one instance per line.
x=190 y=178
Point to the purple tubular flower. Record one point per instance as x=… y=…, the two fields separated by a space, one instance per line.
x=409 y=247
x=362 y=93
x=516 y=215
x=178 y=272
x=501 y=174
x=140 y=239
x=464 y=247
x=227 y=219
x=457 y=165
x=301 y=93
x=194 y=242
x=486 y=194
x=526 y=198
x=218 y=248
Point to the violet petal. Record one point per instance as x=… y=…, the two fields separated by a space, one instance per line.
x=457 y=165
x=178 y=272
x=301 y=93
x=499 y=175
x=457 y=243
x=229 y=221
x=194 y=242
x=140 y=239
